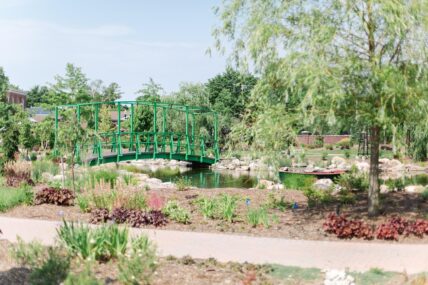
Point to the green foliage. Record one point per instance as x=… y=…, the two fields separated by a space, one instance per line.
x=279 y=204
x=353 y=180
x=83 y=202
x=227 y=207
x=173 y=211
x=53 y=271
x=183 y=184
x=344 y=143
x=324 y=155
x=396 y=184
x=85 y=277
x=424 y=194
x=41 y=166
x=4 y=86
x=208 y=207
x=103 y=175
x=28 y=254
x=37 y=95
x=151 y=92
x=12 y=197
x=26 y=136
x=139 y=265
x=256 y=217
x=103 y=243
x=347 y=154
x=297 y=181
x=304 y=275
x=129 y=179
x=45 y=133
x=136 y=201
x=317 y=197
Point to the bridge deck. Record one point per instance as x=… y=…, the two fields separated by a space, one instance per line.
x=132 y=155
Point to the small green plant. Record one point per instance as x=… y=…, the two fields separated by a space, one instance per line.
x=104 y=175
x=28 y=254
x=424 y=194
x=130 y=179
x=298 y=181
x=183 y=184
x=344 y=143
x=136 y=201
x=103 y=243
x=33 y=156
x=347 y=154
x=227 y=207
x=138 y=266
x=104 y=200
x=84 y=203
x=173 y=211
x=324 y=155
x=208 y=207
x=279 y=204
x=256 y=217
x=85 y=277
x=353 y=181
x=317 y=197
x=53 y=271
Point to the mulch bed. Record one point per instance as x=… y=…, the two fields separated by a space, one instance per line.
x=300 y=223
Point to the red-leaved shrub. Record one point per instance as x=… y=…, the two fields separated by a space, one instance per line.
x=344 y=228
x=62 y=197
x=156 y=202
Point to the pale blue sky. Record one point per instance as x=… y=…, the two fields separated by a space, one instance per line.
x=126 y=41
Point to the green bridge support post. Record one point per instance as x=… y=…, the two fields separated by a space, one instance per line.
x=56 y=152
x=192 y=150
x=131 y=137
x=216 y=149
x=164 y=129
x=118 y=140
x=77 y=149
x=155 y=138
x=187 y=133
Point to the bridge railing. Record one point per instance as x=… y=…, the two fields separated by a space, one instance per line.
x=156 y=144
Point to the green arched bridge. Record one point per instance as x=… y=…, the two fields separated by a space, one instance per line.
x=132 y=130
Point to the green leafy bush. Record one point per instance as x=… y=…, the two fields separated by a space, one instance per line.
x=53 y=271
x=83 y=202
x=227 y=207
x=84 y=277
x=324 y=155
x=297 y=181
x=28 y=254
x=256 y=217
x=183 y=184
x=317 y=197
x=353 y=180
x=130 y=179
x=347 y=154
x=279 y=204
x=222 y=207
x=139 y=265
x=424 y=194
x=173 y=211
x=208 y=207
x=33 y=156
x=136 y=201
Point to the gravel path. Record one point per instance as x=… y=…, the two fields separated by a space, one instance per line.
x=355 y=256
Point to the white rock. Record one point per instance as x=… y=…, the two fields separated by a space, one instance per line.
x=384 y=189
x=338 y=277
x=267 y=183
x=338 y=160
x=57 y=177
x=46 y=176
x=414 y=189
x=153 y=181
x=323 y=184
x=363 y=166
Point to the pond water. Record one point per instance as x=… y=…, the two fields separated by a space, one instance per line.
x=204 y=177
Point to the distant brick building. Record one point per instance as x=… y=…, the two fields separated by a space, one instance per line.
x=307 y=139
x=17 y=97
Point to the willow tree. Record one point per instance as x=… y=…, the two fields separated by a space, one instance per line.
x=353 y=61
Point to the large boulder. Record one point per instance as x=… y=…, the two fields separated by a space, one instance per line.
x=414 y=189
x=338 y=277
x=337 y=160
x=323 y=184
x=391 y=165
x=383 y=189
x=362 y=166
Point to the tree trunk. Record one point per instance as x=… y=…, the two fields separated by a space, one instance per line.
x=63 y=172
x=373 y=195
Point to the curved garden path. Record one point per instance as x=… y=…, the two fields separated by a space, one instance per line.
x=356 y=256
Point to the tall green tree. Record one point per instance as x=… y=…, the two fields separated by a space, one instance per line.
x=352 y=61
x=4 y=85
x=73 y=87
x=150 y=92
x=37 y=95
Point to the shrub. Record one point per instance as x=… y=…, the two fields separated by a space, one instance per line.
x=62 y=197
x=28 y=254
x=33 y=156
x=222 y=207
x=347 y=154
x=99 y=216
x=104 y=200
x=279 y=204
x=53 y=271
x=319 y=142
x=42 y=166
x=256 y=217
x=136 y=201
x=85 y=277
x=344 y=143
x=317 y=197
x=135 y=218
x=140 y=264
x=173 y=211
x=84 y=203
x=183 y=184
x=395 y=184
x=424 y=194
x=103 y=243
x=11 y=197
x=329 y=146
x=129 y=179
x=324 y=155
x=344 y=228
x=353 y=181
x=298 y=181
x=17 y=172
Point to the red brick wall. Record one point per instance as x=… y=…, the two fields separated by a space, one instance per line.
x=328 y=139
x=16 y=98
